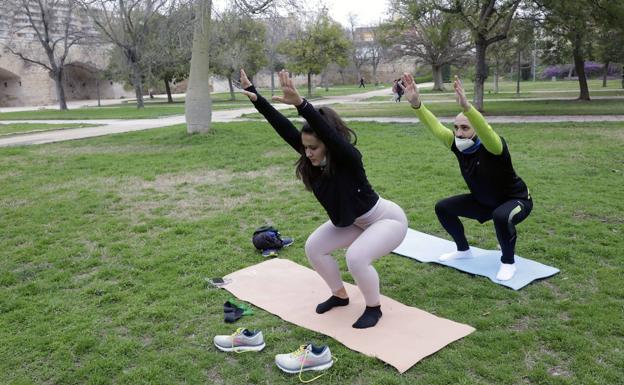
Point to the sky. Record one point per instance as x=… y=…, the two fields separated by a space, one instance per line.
x=368 y=12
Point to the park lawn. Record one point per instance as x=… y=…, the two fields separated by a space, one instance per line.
x=156 y=108
x=106 y=244
x=124 y=110
x=508 y=95
x=21 y=128
x=496 y=108
x=119 y=111
x=340 y=90
x=534 y=86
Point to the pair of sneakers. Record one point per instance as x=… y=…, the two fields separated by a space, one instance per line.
x=506 y=271
x=307 y=357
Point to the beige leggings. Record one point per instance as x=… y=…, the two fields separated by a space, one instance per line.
x=371 y=236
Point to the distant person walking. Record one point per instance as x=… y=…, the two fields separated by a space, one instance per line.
x=362 y=83
x=397 y=90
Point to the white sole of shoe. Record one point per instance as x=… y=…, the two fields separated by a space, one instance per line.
x=318 y=367
x=255 y=348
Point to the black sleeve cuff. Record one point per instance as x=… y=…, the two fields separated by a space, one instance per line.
x=302 y=106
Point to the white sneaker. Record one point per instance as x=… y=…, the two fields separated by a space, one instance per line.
x=307 y=357
x=242 y=340
x=506 y=271
x=456 y=255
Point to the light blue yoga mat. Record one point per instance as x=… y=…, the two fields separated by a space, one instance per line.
x=427 y=248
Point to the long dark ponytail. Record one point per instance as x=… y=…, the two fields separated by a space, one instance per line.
x=305 y=170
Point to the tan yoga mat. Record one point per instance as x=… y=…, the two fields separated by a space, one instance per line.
x=403 y=336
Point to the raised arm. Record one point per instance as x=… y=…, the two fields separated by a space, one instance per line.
x=490 y=139
x=443 y=134
x=280 y=123
x=340 y=148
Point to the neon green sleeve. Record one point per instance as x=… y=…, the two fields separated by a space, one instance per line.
x=490 y=139
x=445 y=135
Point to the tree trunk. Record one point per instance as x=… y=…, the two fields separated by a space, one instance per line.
x=325 y=80
x=480 y=73
x=60 y=91
x=579 y=65
x=519 y=72
x=272 y=82
x=375 y=73
x=168 y=90
x=97 y=87
x=605 y=72
x=138 y=84
x=232 y=94
x=309 y=84
x=438 y=84
x=198 y=106
x=496 y=77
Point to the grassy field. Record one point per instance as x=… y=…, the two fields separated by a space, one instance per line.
x=106 y=244
x=535 y=86
x=499 y=108
x=448 y=96
x=157 y=108
x=22 y=128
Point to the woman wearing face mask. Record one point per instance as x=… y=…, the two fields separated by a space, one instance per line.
x=496 y=192
x=359 y=220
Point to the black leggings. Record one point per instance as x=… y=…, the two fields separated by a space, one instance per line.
x=505 y=217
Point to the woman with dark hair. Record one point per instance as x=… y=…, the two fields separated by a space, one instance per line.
x=331 y=167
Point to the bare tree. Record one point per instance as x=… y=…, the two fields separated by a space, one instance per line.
x=359 y=51
x=432 y=36
x=376 y=50
x=56 y=26
x=489 y=21
x=126 y=23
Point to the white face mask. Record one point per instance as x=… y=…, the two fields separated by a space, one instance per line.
x=463 y=144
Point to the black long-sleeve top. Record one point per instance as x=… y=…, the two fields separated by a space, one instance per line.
x=491 y=178
x=345 y=194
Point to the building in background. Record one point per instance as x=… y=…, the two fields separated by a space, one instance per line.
x=23 y=83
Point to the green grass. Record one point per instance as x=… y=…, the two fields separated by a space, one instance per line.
x=430 y=96
x=156 y=108
x=21 y=128
x=106 y=243
x=123 y=110
x=500 y=108
x=342 y=90
x=536 y=86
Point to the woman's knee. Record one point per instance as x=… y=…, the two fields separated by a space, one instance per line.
x=354 y=262
x=311 y=248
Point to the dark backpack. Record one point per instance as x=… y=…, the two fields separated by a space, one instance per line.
x=267 y=237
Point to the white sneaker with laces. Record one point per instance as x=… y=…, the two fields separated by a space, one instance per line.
x=506 y=271
x=456 y=255
x=307 y=357
x=242 y=340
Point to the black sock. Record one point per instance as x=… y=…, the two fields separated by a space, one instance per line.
x=332 y=302
x=369 y=318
